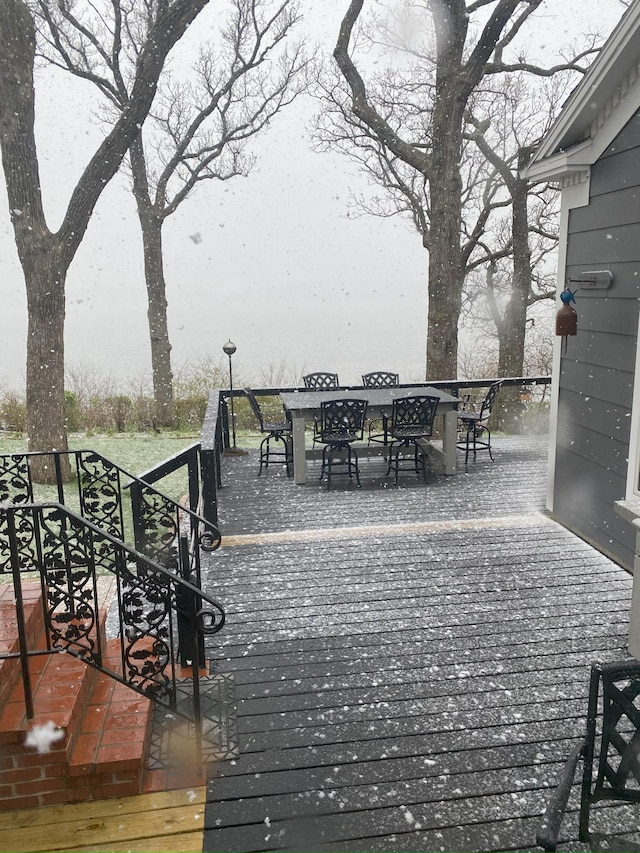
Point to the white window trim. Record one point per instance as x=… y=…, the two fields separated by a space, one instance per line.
x=633 y=464
x=575 y=193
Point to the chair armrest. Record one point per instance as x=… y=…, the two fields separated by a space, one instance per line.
x=547 y=834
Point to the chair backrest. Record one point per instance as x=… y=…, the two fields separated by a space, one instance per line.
x=415 y=411
x=342 y=417
x=618 y=764
x=380 y=379
x=255 y=406
x=489 y=400
x=321 y=381
x=610 y=745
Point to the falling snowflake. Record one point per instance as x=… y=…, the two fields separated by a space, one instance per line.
x=41 y=737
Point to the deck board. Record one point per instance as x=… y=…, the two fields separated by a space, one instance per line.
x=411 y=663
x=164 y=821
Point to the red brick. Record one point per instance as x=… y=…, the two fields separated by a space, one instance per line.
x=94 y=719
x=133 y=738
x=38 y=786
x=116 y=758
x=21 y=774
x=29 y=758
x=19 y=803
x=55 y=798
x=117 y=789
x=126 y=721
x=84 y=755
x=54 y=771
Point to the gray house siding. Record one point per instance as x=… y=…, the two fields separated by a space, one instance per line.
x=597 y=371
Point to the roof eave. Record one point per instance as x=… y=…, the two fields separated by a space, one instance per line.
x=557 y=166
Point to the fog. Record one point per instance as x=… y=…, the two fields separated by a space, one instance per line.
x=272 y=261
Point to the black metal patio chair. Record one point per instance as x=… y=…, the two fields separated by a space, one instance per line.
x=340 y=424
x=321 y=381
x=611 y=747
x=379 y=379
x=275 y=431
x=474 y=431
x=410 y=422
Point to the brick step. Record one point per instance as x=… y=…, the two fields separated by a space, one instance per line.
x=115 y=729
x=102 y=728
x=34 y=626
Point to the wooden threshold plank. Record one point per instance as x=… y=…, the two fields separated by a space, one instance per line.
x=183 y=843
x=131 y=822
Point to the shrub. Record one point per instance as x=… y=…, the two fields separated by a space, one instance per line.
x=72 y=414
x=13 y=412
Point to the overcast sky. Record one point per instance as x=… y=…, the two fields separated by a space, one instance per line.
x=279 y=269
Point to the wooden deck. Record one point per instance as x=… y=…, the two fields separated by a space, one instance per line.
x=411 y=663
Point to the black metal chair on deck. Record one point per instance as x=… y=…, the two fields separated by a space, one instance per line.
x=276 y=431
x=474 y=433
x=379 y=379
x=321 y=381
x=341 y=423
x=410 y=422
x=611 y=747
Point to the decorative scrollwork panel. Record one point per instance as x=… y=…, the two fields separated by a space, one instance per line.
x=100 y=492
x=158 y=525
x=15 y=489
x=68 y=571
x=146 y=613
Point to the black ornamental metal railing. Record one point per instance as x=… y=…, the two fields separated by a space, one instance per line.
x=108 y=521
x=126 y=506
x=68 y=554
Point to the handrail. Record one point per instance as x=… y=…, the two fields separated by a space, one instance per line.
x=156 y=516
x=211 y=444
x=436 y=383
x=67 y=551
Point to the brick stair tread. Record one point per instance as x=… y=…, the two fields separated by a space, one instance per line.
x=60 y=686
x=34 y=627
x=115 y=729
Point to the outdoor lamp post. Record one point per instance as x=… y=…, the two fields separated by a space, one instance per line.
x=229 y=348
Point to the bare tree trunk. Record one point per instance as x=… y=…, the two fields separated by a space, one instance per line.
x=445 y=275
x=46 y=257
x=151 y=223
x=512 y=330
x=37 y=248
x=45 y=365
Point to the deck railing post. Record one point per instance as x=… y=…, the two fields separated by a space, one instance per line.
x=22 y=632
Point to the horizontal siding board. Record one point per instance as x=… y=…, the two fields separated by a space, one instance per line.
x=607 y=211
x=629 y=137
x=604 y=246
x=614 y=386
x=603 y=349
x=598 y=416
x=602 y=450
x=614 y=313
x=616 y=172
x=583 y=501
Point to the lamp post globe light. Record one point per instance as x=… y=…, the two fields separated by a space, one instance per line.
x=229 y=348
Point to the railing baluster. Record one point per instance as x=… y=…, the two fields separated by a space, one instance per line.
x=22 y=633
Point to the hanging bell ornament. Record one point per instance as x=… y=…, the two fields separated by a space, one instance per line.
x=567 y=317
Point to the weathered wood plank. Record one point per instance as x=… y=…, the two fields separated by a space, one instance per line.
x=146 y=822
x=391 y=679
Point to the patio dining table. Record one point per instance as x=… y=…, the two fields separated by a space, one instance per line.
x=303 y=406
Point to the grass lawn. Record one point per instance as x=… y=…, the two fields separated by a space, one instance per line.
x=135 y=452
